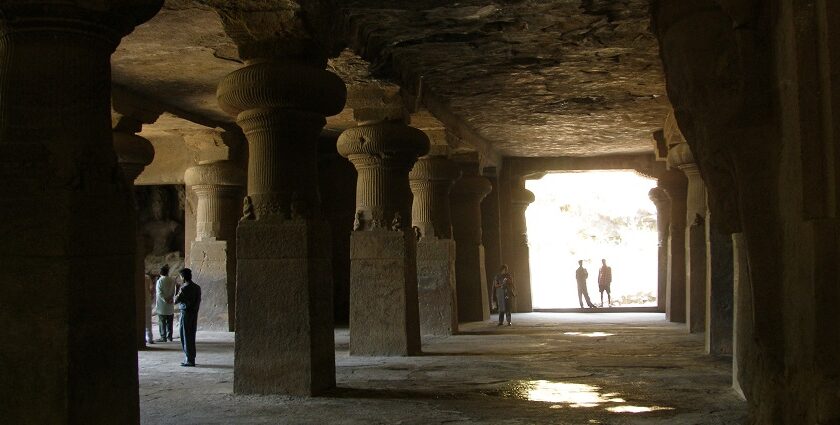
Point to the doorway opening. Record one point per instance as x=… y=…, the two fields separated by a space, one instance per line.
x=589 y=216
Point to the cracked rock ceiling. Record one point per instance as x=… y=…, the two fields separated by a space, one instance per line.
x=528 y=78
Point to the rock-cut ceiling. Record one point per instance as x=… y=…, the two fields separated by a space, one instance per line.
x=528 y=77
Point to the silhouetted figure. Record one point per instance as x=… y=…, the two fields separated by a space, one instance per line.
x=604 y=280
x=581 y=275
x=505 y=291
x=189 y=298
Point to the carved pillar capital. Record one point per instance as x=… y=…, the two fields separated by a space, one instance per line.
x=431 y=179
x=383 y=154
x=281 y=108
x=107 y=20
x=466 y=196
x=660 y=198
x=216 y=185
x=134 y=153
x=471 y=188
x=680 y=155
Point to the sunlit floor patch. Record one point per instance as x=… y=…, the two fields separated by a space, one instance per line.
x=567 y=393
x=589 y=334
x=636 y=409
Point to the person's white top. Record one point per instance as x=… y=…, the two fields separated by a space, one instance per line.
x=164 y=290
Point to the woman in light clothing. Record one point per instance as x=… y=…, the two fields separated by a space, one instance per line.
x=164 y=304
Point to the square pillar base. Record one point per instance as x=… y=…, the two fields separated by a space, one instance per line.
x=216 y=276
x=284 y=321
x=436 y=286
x=384 y=318
x=719 y=294
x=695 y=279
x=473 y=299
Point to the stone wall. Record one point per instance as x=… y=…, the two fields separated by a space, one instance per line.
x=761 y=125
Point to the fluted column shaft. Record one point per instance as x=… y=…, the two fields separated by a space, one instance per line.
x=59 y=179
x=431 y=181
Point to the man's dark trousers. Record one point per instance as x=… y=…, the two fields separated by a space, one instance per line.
x=189 y=325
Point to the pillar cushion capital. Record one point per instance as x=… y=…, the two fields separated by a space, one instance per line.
x=522 y=196
x=133 y=149
x=109 y=19
x=471 y=185
x=386 y=139
x=222 y=173
x=434 y=167
x=659 y=196
x=680 y=155
x=281 y=85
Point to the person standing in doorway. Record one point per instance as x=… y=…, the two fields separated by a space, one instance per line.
x=165 y=304
x=189 y=299
x=604 y=280
x=505 y=291
x=581 y=275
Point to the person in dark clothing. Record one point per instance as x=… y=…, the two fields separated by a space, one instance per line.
x=505 y=291
x=189 y=299
x=580 y=275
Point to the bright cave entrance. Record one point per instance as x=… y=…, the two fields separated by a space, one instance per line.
x=589 y=216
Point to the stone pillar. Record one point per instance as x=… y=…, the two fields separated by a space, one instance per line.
x=384 y=318
x=431 y=180
x=675 y=184
x=743 y=324
x=134 y=153
x=337 y=181
x=284 y=322
x=519 y=264
x=695 y=237
x=68 y=248
x=218 y=190
x=466 y=196
x=662 y=201
x=491 y=230
x=719 y=290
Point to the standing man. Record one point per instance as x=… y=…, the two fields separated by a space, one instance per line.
x=503 y=284
x=604 y=280
x=165 y=305
x=581 y=275
x=189 y=299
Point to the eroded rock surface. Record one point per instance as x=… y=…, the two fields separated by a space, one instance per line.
x=532 y=78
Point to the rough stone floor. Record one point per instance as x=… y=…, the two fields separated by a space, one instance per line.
x=548 y=368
